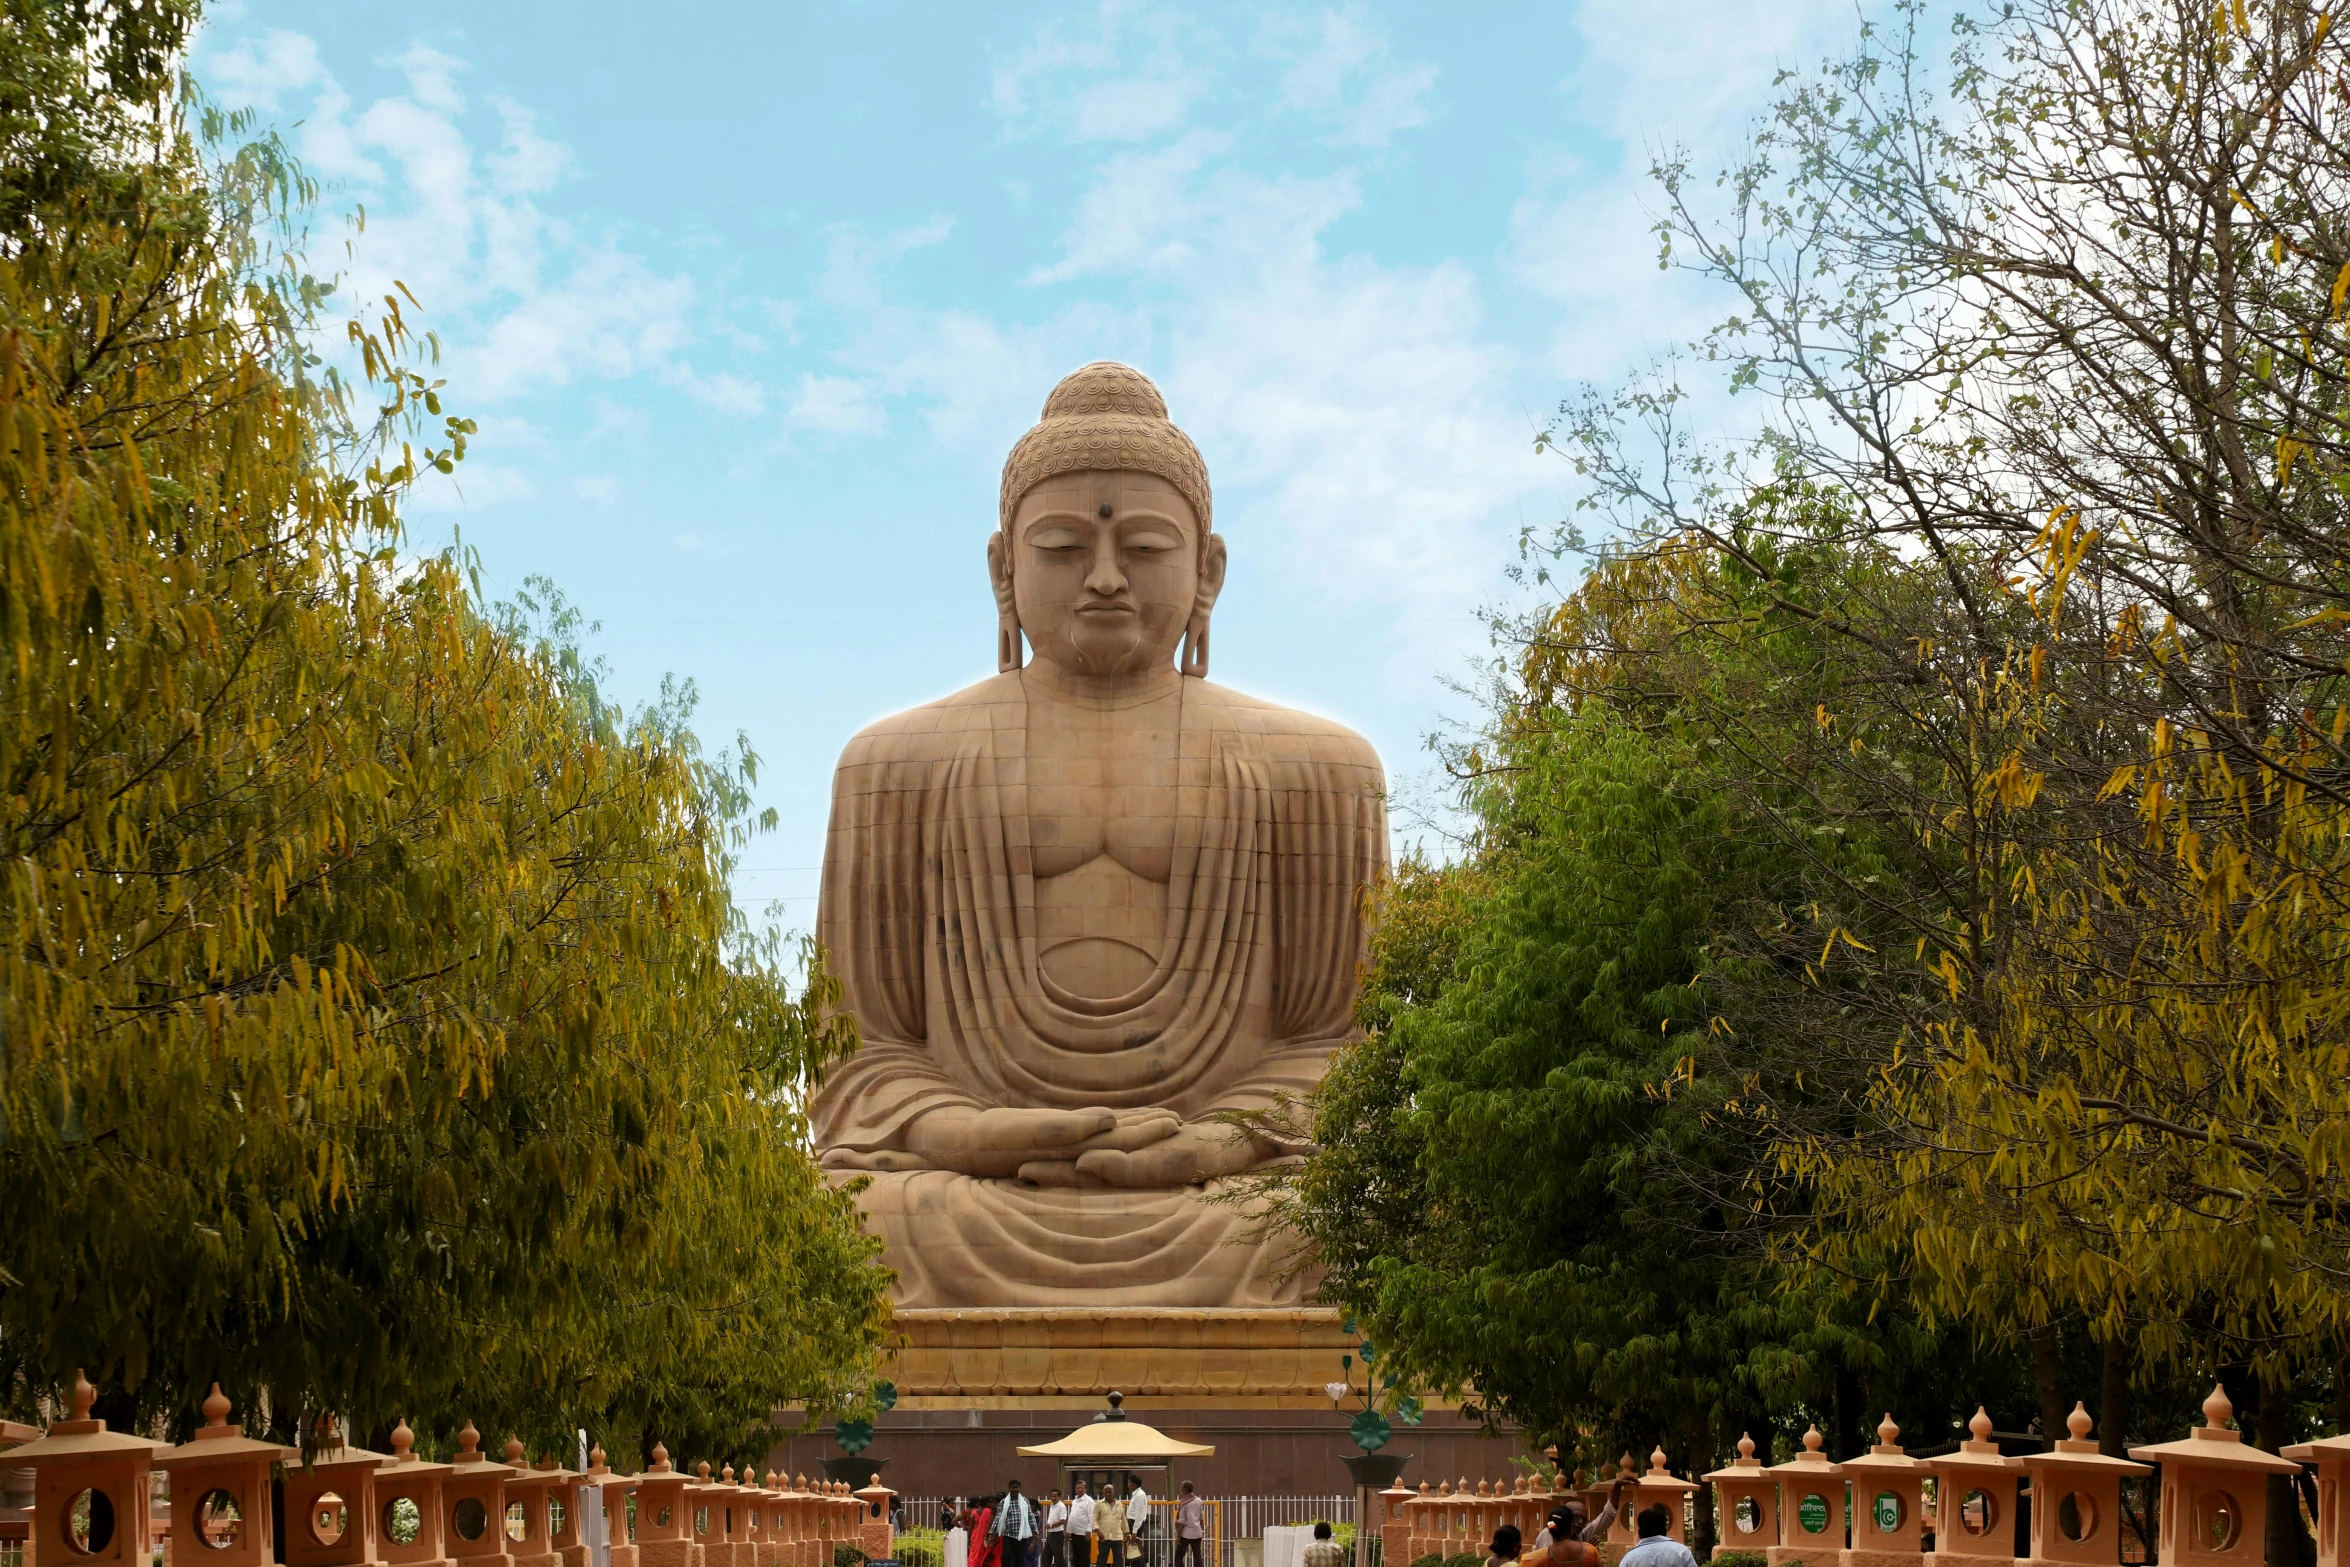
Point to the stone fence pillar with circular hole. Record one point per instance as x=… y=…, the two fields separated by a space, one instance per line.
x=756 y=1518
x=1395 y=1525
x=697 y=1513
x=220 y=1512
x=330 y=1508
x=1660 y=1487
x=1413 y=1515
x=740 y=1500
x=90 y=1490
x=1974 y=1501
x=531 y=1503
x=1746 y=1501
x=2077 y=1500
x=1624 y=1533
x=2331 y=1455
x=1888 y=1504
x=411 y=1521
x=617 y=1494
x=875 y=1537
x=779 y=1517
x=664 y=1534
x=1527 y=1505
x=744 y=1517
x=789 y=1511
x=1811 y=1508
x=812 y=1542
x=2214 y=1492
x=473 y=1503
x=564 y=1540
x=779 y=1520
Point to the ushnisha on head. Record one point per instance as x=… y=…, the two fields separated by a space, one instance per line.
x=1104 y=556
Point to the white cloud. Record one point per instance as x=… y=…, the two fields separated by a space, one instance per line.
x=835 y=405
x=260 y=72
x=1122 y=74
x=596 y=491
x=456 y=203
x=432 y=77
x=1584 y=237
x=1339 y=74
x=724 y=391
x=1177 y=211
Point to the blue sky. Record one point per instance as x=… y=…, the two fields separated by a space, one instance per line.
x=750 y=300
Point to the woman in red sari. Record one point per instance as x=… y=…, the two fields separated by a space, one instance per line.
x=986 y=1549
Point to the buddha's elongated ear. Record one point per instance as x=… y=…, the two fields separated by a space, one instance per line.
x=1008 y=656
x=1193 y=660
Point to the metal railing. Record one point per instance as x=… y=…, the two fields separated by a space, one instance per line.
x=1230 y=1519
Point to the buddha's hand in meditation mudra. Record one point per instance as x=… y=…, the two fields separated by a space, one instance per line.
x=1092 y=1147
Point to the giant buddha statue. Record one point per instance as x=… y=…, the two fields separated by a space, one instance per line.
x=1081 y=909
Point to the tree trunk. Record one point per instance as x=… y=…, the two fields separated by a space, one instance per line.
x=1846 y=1441
x=1704 y=1532
x=2048 y=1382
x=2271 y=1428
x=2113 y=1394
x=2116 y=1354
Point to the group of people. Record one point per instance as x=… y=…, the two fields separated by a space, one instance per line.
x=1014 y=1530
x=1011 y=1529
x=1572 y=1540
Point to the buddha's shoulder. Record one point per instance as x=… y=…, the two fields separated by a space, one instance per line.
x=939 y=728
x=1309 y=736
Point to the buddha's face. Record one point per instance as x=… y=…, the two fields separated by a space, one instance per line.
x=1106 y=569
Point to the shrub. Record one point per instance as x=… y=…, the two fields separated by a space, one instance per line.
x=846 y=1555
x=1738 y=1559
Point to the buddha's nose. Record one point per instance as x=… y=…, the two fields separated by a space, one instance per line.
x=1105 y=578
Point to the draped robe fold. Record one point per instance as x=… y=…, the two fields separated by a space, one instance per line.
x=928 y=916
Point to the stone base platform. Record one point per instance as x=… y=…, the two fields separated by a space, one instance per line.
x=1259 y=1452
x=1159 y=1357
x=976 y=1384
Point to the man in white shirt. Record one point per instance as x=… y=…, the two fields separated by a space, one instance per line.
x=1138 y=1513
x=1056 y=1531
x=1081 y=1528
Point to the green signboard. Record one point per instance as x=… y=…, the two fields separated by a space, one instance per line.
x=1812 y=1513
x=1888 y=1510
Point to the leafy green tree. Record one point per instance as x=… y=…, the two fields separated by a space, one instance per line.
x=2066 y=342
x=1532 y=1183
x=378 y=1034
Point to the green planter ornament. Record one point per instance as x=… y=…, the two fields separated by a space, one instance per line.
x=854 y=1436
x=1370 y=1430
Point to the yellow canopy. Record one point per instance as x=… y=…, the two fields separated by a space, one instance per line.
x=1117 y=1438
